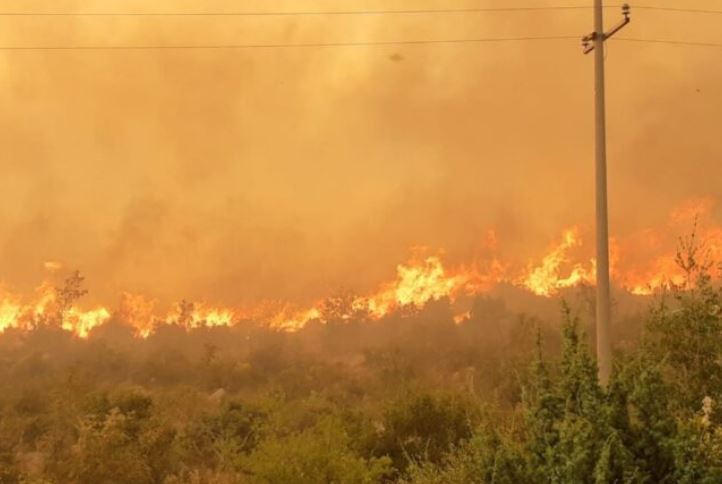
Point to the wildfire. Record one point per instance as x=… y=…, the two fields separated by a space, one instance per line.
x=547 y=279
x=641 y=264
x=416 y=284
x=662 y=270
x=47 y=310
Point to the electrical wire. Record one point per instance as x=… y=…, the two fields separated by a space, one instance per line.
x=293 y=13
x=351 y=12
x=287 y=45
x=677 y=9
x=343 y=44
x=669 y=42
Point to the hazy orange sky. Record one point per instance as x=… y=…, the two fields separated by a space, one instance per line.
x=234 y=175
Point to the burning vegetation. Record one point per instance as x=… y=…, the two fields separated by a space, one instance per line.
x=396 y=387
x=446 y=374
x=423 y=279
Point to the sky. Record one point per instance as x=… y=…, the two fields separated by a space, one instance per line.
x=245 y=174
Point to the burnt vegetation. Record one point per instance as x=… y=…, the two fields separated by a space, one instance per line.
x=412 y=398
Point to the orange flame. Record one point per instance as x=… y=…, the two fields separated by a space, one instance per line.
x=547 y=279
x=639 y=264
x=16 y=314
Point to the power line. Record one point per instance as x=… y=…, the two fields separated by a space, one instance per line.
x=277 y=46
x=348 y=12
x=669 y=42
x=340 y=44
x=292 y=13
x=678 y=10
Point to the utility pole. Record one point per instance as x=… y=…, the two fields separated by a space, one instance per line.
x=595 y=42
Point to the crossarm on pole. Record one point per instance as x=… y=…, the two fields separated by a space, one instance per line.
x=588 y=40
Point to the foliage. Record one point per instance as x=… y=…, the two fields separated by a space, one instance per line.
x=407 y=400
x=424 y=427
x=322 y=453
x=685 y=330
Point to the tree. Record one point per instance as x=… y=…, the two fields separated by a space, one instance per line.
x=489 y=456
x=424 y=427
x=543 y=410
x=651 y=425
x=320 y=454
x=582 y=429
x=120 y=441
x=686 y=332
x=698 y=448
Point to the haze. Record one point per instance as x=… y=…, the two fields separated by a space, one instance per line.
x=246 y=174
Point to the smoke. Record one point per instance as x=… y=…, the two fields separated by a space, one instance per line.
x=238 y=175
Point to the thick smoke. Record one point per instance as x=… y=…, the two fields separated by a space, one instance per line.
x=238 y=175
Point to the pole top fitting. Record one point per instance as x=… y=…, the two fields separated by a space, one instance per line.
x=626 y=10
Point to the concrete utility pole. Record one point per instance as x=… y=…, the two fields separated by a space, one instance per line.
x=595 y=42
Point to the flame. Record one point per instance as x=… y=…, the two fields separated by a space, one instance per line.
x=16 y=314
x=547 y=279
x=9 y=313
x=641 y=264
x=82 y=322
x=139 y=311
x=661 y=270
x=416 y=284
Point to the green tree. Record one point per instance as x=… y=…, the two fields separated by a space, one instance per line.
x=320 y=454
x=686 y=331
x=424 y=427
x=582 y=429
x=650 y=425
x=217 y=441
x=698 y=448
x=543 y=410
x=121 y=441
x=489 y=457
